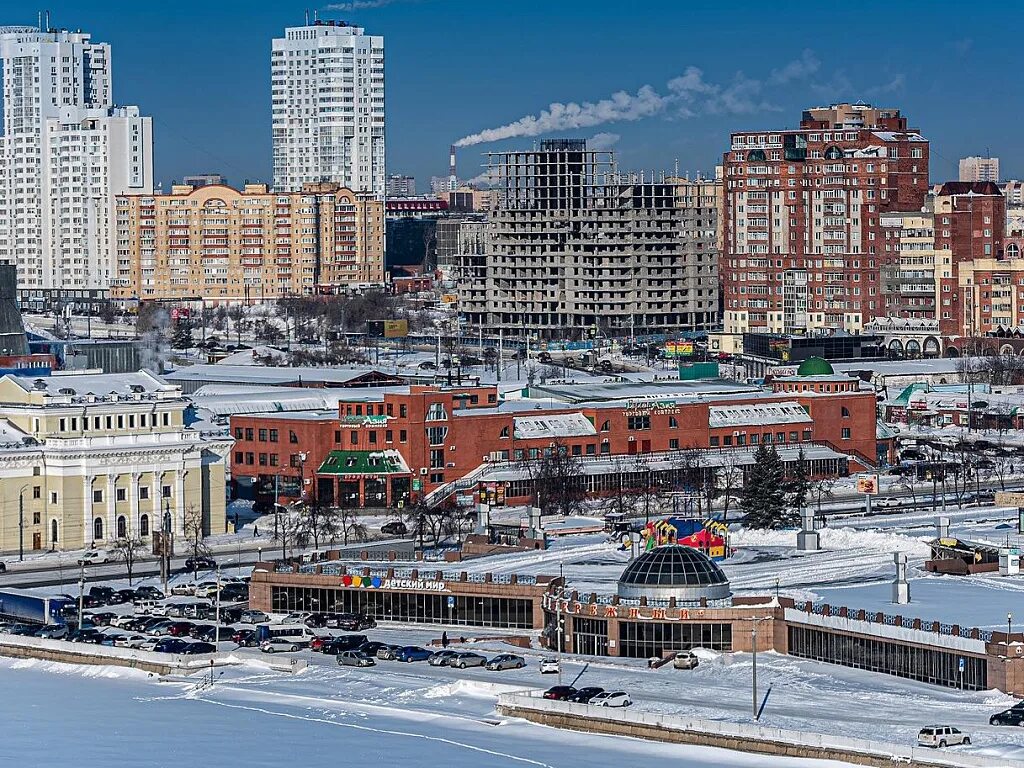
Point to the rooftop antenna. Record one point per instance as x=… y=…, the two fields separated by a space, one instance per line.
x=316 y=15
x=47 y=20
x=677 y=168
x=307 y=17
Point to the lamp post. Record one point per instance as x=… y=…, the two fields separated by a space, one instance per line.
x=1009 y=627
x=21 y=523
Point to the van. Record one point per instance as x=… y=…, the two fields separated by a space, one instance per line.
x=294 y=633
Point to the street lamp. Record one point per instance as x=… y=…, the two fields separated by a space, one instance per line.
x=21 y=523
x=1009 y=627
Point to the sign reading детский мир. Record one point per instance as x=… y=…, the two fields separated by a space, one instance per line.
x=376 y=582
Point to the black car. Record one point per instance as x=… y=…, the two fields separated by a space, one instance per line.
x=371 y=647
x=126 y=595
x=234 y=593
x=351 y=622
x=87 y=635
x=1012 y=716
x=231 y=615
x=171 y=645
x=317 y=620
x=394 y=528
x=101 y=618
x=336 y=645
x=148 y=593
x=217 y=634
x=3 y=568
x=105 y=595
x=193 y=649
x=201 y=563
x=584 y=695
x=560 y=692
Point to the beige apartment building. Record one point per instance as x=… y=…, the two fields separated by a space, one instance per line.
x=91 y=458
x=221 y=245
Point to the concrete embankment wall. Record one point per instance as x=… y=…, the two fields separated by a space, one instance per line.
x=734 y=736
x=80 y=653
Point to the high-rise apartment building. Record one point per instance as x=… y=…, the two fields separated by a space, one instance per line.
x=803 y=233
x=400 y=185
x=979 y=169
x=65 y=152
x=572 y=247
x=218 y=244
x=327 y=86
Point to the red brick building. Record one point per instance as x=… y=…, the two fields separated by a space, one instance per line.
x=388 y=446
x=803 y=240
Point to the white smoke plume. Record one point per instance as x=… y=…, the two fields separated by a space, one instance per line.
x=687 y=95
x=601 y=141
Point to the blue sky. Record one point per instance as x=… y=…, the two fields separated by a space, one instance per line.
x=686 y=74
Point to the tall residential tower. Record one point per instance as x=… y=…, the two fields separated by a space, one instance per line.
x=65 y=152
x=327 y=85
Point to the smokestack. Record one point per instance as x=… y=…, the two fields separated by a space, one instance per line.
x=451 y=161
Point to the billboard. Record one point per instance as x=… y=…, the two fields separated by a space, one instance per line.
x=678 y=349
x=867 y=484
x=389 y=329
x=449 y=298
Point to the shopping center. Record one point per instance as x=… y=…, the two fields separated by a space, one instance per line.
x=669 y=599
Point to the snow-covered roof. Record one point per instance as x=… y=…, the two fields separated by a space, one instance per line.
x=720 y=416
x=553 y=425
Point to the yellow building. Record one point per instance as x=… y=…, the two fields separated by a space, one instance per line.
x=91 y=458
x=218 y=244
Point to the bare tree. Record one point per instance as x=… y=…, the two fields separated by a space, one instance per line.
x=291 y=531
x=195 y=543
x=620 y=500
x=320 y=521
x=729 y=480
x=236 y=313
x=822 y=491
x=350 y=526
x=128 y=551
x=559 y=484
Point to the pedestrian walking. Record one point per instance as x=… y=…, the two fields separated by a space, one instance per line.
x=444 y=639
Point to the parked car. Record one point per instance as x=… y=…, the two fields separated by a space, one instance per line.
x=129 y=641
x=317 y=620
x=84 y=635
x=170 y=645
x=193 y=649
x=559 y=692
x=467 y=659
x=584 y=695
x=410 y=653
x=394 y=528
x=1012 y=716
x=54 y=632
x=94 y=557
x=206 y=589
x=253 y=617
x=200 y=563
x=245 y=638
x=685 y=660
x=612 y=699
x=506 y=661
x=888 y=501
x=340 y=643
x=217 y=634
x=234 y=593
x=549 y=666
x=148 y=593
x=942 y=736
x=441 y=658
x=197 y=610
x=122 y=621
x=102 y=618
x=161 y=629
x=231 y=615
x=279 y=646
x=387 y=652
x=351 y=622
x=180 y=629
x=184 y=589
x=3 y=567
x=198 y=630
x=106 y=595
x=355 y=659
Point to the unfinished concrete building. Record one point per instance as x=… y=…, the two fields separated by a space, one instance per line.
x=575 y=246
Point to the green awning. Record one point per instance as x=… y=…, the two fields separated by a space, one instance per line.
x=363 y=463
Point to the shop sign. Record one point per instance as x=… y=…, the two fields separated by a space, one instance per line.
x=376 y=582
x=649 y=407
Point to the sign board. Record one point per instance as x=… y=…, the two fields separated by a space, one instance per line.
x=417 y=484
x=1009 y=499
x=867 y=484
x=451 y=602
x=449 y=298
x=389 y=329
x=961 y=665
x=678 y=349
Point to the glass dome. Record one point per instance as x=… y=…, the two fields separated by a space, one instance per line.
x=675 y=571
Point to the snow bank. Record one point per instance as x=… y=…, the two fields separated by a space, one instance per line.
x=834 y=538
x=475 y=688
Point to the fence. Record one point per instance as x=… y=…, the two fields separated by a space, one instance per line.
x=739 y=736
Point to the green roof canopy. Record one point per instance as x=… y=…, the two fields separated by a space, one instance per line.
x=363 y=463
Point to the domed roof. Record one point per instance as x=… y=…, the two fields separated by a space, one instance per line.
x=815 y=366
x=673 y=570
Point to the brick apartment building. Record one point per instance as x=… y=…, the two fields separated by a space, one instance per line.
x=802 y=217
x=386 y=446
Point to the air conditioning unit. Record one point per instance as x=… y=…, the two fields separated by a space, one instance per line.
x=735 y=434
x=632 y=439
x=423 y=470
x=451 y=464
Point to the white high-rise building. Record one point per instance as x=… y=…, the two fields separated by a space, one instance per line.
x=327 y=85
x=65 y=153
x=976 y=168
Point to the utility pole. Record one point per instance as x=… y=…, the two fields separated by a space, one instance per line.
x=753 y=668
x=21 y=525
x=81 y=593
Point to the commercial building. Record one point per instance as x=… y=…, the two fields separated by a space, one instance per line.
x=215 y=243
x=88 y=459
x=803 y=210
x=979 y=168
x=386 y=446
x=327 y=97
x=670 y=599
x=65 y=153
x=204 y=180
x=573 y=248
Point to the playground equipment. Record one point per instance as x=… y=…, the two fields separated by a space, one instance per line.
x=709 y=536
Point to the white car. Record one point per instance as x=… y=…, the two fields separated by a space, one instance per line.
x=206 y=589
x=184 y=589
x=148 y=644
x=942 y=736
x=888 y=501
x=279 y=646
x=685 y=660
x=549 y=666
x=612 y=699
x=120 y=621
x=298 y=617
x=130 y=641
x=94 y=557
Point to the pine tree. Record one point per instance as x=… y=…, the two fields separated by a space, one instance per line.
x=764 y=494
x=800 y=483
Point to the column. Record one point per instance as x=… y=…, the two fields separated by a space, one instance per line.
x=134 y=510
x=179 y=500
x=156 y=503
x=87 y=512
x=111 y=529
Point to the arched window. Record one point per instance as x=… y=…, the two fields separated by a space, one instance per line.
x=53 y=531
x=756 y=155
x=672 y=422
x=144 y=525
x=846 y=412
x=122 y=527
x=833 y=153
x=97 y=529
x=605 y=426
x=1012 y=251
x=436 y=412
x=504 y=431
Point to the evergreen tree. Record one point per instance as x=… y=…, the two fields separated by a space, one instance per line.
x=182 y=337
x=764 y=494
x=800 y=483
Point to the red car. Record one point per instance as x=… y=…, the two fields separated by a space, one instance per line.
x=180 y=628
x=559 y=692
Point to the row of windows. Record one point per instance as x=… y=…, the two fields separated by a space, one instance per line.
x=121 y=494
x=108 y=422
x=383 y=605
x=642 y=639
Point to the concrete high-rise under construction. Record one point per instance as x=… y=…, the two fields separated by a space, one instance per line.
x=574 y=248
